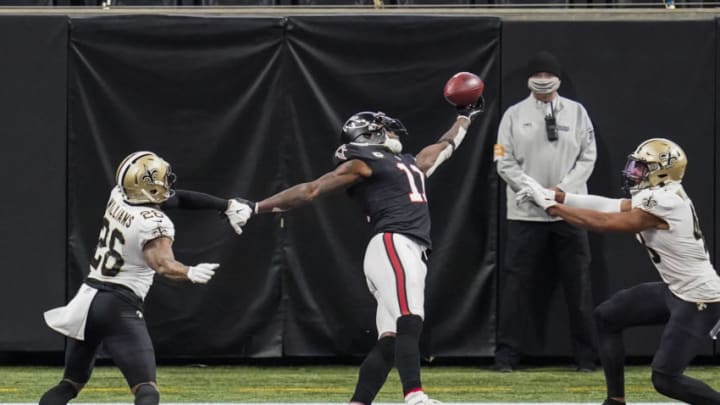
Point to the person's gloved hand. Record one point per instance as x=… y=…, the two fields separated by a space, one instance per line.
x=239 y=212
x=532 y=191
x=202 y=273
x=470 y=111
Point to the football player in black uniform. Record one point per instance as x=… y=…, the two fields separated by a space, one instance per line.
x=135 y=243
x=390 y=186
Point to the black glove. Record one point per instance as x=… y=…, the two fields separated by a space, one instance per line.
x=470 y=111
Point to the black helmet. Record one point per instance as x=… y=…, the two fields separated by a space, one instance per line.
x=368 y=127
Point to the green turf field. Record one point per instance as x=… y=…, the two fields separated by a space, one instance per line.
x=335 y=384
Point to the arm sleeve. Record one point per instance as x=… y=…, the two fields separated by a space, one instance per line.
x=578 y=176
x=593 y=202
x=507 y=165
x=194 y=200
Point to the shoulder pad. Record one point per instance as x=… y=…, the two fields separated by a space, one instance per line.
x=154 y=224
x=658 y=202
x=351 y=151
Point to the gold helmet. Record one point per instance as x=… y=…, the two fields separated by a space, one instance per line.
x=655 y=162
x=145 y=178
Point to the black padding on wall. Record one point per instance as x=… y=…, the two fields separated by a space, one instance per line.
x=244 y=109
x=344 y=65
x=33 y=105
x=201 y=93
x=246 y=106
x=638 y=80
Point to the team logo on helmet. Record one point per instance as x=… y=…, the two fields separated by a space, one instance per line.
x=340 y=152
x=149 y=176
x=145 y=178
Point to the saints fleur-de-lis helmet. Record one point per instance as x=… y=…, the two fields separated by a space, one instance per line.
x=145 y=178
x=655 y=162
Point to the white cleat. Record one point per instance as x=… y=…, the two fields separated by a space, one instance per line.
x=420 y=398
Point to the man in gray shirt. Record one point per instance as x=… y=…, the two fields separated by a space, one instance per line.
x=549 y=138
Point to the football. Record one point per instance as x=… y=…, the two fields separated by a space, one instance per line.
x=463 y=88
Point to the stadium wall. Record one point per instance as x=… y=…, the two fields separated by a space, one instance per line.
x=245 y=105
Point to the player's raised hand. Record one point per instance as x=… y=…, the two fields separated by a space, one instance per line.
x=239 y=212
x=202 y=273
x=470 y=111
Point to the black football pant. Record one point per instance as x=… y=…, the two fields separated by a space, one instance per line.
x=534 y=253
x=120 y=327
x=686 y=331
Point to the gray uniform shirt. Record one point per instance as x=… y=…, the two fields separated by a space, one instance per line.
x=523 y=149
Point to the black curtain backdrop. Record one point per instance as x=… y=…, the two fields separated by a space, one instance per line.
x=246 y=106
x=341 y=65
x=200 y=92
x=32 y=230
x=248 y=109
x=620 y=71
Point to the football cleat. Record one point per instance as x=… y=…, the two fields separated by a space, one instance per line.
x=420 y=398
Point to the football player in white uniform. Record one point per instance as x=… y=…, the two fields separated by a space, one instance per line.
x=687 y=301
x=135 y=242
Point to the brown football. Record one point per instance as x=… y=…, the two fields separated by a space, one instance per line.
x=463 y=88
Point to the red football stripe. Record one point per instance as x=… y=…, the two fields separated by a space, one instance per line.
x=399 y=273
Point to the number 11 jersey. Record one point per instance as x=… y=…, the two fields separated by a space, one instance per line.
x=393 y=197
x=119 y=256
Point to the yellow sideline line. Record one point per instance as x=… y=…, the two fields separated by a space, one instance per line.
x=3 y=389
x=592 y=388
x=169 y=390
x=339 y=390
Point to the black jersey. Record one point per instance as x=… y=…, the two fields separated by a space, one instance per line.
x=393 y=197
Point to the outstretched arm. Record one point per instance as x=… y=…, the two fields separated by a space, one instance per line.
x=632 y=221
x=344 y=176
x=159 y=256
x=434 y=155
x=606 y=215
x=195 y=200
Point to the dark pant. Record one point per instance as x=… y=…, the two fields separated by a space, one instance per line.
x=552 y=250
x=120 y=327
x=685 y=334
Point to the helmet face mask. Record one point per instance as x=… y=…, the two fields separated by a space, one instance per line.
x=370 y=128
x=655 y=162
x=633 y=174
x=145 y=178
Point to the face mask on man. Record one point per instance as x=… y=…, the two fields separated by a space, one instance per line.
x=544 y=85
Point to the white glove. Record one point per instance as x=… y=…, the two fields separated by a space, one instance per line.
x=239 y=212
x=537 y=194
x=528 y=185
x=202 y=273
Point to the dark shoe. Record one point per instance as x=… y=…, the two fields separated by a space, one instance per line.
x=585 y=369
x=611 y=401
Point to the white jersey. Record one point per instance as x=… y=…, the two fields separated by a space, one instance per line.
x=126 y=229
x=678 y=253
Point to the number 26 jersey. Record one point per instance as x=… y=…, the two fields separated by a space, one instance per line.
x=393 y=197
x=125 y=230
